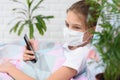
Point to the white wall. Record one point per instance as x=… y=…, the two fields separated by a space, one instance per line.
x=51 y=7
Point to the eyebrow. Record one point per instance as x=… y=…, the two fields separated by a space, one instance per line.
x=73 y=24
x=77 y=25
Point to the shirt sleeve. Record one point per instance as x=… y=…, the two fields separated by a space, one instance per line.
x=76 y=59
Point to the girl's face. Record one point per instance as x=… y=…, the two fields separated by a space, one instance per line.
x=77 y=22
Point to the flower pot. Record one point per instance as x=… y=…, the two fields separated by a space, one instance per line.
x=99 y=76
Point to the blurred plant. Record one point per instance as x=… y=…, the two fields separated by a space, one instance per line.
x=108 y=41
x=26 y=17
x=94 y=11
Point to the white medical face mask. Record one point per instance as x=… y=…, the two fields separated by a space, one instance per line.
x=73 y=38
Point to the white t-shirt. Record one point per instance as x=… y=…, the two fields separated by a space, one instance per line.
x=76 y=59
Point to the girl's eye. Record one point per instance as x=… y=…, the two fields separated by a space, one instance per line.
x=75 y=27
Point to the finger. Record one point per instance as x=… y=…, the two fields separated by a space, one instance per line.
x=32 y=41
x=28 y=57
x=28 y=52
x=34 y=44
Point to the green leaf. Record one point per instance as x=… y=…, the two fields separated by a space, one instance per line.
x=19 y=2
x=116 y=3
x=47 y=17
x=28 y=3
x=41 y=21
x=31 y=30
x=15 y=27
x=23 y=13
x=19 y=9
x=21 y=29
x=31 y=2
x=11 y=29
x=39 y=28
x=15 y=0
x=35 y=7
x=16 y=19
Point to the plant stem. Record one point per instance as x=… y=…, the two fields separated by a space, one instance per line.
x=29 y=20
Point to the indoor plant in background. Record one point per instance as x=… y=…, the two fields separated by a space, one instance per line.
x=27 y=17
x=108 y=40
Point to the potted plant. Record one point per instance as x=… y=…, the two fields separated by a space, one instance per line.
x=26 y=17
x=108 y=41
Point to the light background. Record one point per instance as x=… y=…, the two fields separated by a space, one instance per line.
x=54 y=26
x=54 y=33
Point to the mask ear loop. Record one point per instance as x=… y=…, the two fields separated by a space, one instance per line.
x=86 y=42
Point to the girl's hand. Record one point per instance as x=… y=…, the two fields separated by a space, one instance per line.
x=29 y=55
x=34 y=44
x=6 y=66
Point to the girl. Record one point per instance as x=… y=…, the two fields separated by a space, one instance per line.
x=78 y=36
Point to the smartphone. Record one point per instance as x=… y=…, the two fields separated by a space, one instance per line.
x=29 y=47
